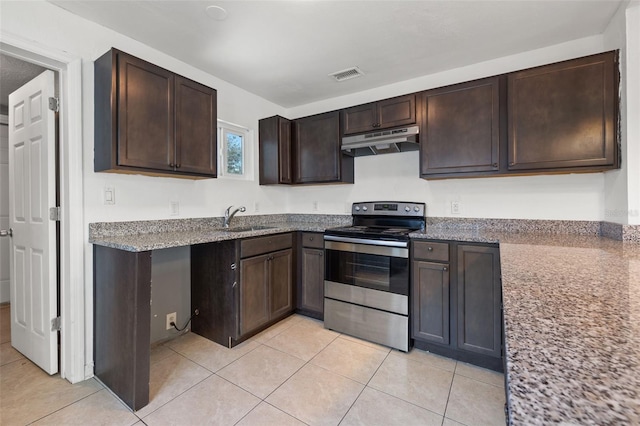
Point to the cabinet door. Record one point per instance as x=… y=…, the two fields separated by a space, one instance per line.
x=359 y=119
x=563 y=115
x=254 y=293
x=460 y=131
x=281 y=282
x=275 y=150
x=431 y=302
x=196 y=128
x=395 y=112
x=479 y=300
x=317 y=148
x=145 y=114
x=312 y=280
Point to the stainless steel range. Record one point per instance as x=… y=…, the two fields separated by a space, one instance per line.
x=366 y=285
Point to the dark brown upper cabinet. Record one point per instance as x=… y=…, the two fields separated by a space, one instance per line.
x=384 y=114
x=564 y=115
x=460 y=130
x=151 y=121
x=316 y=149
x=303 y=151
x=275 y=150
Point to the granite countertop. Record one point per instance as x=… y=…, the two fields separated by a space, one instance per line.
x=571 y=314
x=572 y=325
x=168 y=239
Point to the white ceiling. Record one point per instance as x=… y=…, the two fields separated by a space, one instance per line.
x=284 y=50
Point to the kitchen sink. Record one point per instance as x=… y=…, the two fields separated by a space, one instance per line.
x=249 y=228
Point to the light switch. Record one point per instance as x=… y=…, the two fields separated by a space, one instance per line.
x=175 y=208
x=109 y=195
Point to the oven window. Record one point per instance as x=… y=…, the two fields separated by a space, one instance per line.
x=384 y=273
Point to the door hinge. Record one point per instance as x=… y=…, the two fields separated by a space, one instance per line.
x=55 y=214
x=56 y=324
x=54 y=104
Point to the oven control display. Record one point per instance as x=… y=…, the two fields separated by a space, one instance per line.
x=386 y=207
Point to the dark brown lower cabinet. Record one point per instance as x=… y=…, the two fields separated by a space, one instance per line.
x=311 y=283
x=479 y=300
x=458 y=315
x=265 y=289
x=266 y=282
x=254 y=293
x=241 y=287
x=431 y=301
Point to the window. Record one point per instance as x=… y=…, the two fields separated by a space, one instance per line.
x=235 y=157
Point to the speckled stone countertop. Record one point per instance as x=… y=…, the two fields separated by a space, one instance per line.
x=571 y=313
x=160 y=234
x=572 y=326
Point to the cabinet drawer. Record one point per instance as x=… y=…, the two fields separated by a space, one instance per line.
x=428 y=250
x=312 y=239
x=255 y=246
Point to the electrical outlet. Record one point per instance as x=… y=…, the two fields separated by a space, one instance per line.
x=455 y=207
x=172 y=318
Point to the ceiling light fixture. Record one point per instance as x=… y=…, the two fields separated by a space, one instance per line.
x=347 y=74
x=216 y=13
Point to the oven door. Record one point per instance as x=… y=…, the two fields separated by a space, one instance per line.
x=376 y=264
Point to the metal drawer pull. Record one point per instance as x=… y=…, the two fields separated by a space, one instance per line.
x=429 y=248
x=445 y=269
x=5 y=233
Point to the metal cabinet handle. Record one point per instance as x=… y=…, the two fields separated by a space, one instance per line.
x=233 y=266
x=512 y=164
x=429 y=248
x=172 y=165
x=310 y=238
x=178 y=165
x=495 y=165
x=445 y=269
x=5 y=233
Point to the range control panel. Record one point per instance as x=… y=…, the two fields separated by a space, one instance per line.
x=388 y=208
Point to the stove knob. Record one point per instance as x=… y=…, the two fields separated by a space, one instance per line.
x=407 y=209
x=416 y=209
x=364 y=208
x=357 y=208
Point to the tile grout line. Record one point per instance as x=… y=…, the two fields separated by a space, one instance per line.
x=363 y=388
x=181 y=393
x=69 y=405
x=453 y=377
x=282 y=384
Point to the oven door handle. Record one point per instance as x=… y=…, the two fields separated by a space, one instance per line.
x=376 y=247
x=385 y=243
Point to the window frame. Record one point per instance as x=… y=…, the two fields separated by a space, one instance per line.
x=225 y=127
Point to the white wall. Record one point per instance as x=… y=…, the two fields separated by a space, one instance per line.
x=622 y=187
x=633 y=111
x=395 y=176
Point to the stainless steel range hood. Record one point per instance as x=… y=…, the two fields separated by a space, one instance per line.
x=382 y=142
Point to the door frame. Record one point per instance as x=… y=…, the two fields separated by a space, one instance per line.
x=76 y=353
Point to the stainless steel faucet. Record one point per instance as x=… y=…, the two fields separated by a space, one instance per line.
x=228 y=217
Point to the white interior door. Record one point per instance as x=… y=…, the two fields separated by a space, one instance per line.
x=4 y=209
x=32 y=191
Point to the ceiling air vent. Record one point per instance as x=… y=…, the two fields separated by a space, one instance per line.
x=347 y=74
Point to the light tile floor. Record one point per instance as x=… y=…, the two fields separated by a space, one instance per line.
x=294 y=373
